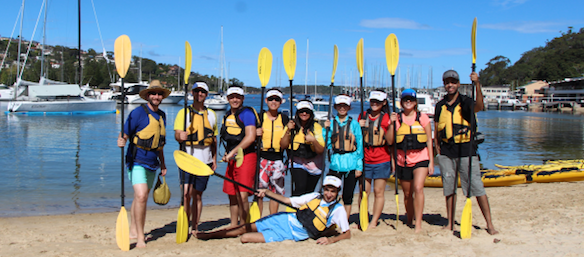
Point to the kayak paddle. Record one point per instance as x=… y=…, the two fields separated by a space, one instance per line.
x=289 y=57
x=392 y=59
x=363 y=208
x=182 y=221
x=123 y=54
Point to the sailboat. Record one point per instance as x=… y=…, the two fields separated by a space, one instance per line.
x=53 y=96
x=218 y=101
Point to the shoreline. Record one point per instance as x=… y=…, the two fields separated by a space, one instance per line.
x=532 y=219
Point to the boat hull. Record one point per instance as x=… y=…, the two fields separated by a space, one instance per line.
x=63 y=106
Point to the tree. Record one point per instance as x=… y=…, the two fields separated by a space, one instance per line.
x=494 y=74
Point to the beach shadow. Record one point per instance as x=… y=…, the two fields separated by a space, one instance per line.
x=210 y=225
x=156 y=233
x=435 y=219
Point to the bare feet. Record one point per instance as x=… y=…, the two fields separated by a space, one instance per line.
x=141 y=245
x=373 y=224
x=417 y=230
x=492 y=231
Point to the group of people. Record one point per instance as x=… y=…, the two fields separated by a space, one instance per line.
x=361 y=147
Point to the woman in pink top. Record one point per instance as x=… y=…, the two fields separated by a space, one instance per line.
x=415 y=157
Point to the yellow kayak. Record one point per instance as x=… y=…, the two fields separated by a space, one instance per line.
x=555 y=176
x=489 y=180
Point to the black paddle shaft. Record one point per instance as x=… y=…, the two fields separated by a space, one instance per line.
x=251 y=189
x=362 y=179
x=291 y=152
x=330 y=107
x=122 y=135
x=183 y=145
x=472 y=132
x=394 y=133
x=259 y=141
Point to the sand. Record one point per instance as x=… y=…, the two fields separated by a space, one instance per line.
x=533 y=220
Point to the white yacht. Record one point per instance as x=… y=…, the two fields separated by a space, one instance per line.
x=217 y=102
x=133 y=93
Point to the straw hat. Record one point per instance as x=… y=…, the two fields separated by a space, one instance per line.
x=154 y=86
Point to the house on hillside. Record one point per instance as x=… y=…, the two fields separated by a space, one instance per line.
x=567 y=90
x=497 y=92
x=531 y=92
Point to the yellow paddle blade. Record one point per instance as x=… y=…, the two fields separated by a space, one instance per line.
x=254 y=212
x=289 y=53
x=360 y=57
x=188 y=61
x=123 y=230
x=122 y=54
x=190 y=164
x=288 y=209
x=396 y=210
x=391 y=53
x=265 y=66
x=182 y=226
x=466 y=220
x=335 y=61
x=473 y=40
x=238 y=157
x=364 y=213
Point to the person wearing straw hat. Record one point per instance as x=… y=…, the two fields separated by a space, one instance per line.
x=452 y=130
x=145 y=128
x=316 y=216
x=308 y=146
x=239 y=131
x=272 y=169
x=201 y=142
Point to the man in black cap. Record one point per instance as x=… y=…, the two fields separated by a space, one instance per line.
x=452 y=134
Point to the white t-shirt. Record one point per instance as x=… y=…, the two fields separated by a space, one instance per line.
x=202 y=153
x=338 y=216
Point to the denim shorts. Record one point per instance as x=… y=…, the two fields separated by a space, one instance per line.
x=377 y=171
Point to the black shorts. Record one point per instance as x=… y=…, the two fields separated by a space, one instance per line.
x=407 y=173
x=199 y=182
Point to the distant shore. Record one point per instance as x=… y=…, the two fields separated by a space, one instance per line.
x=533 y=220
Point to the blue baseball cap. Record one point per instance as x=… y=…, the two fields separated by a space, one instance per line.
x=408 y=92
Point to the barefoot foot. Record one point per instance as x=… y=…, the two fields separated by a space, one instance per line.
x=492 y=231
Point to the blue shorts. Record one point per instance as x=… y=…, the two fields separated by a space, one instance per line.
x=199 y=182
x=377 y=171
x=141 y=175
x=275 y=227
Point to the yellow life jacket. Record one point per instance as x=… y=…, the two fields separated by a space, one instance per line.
x=374 y=136
x=314 y=217
x=451 y=126
x=152 y=136
x=273 y=132
x=233 y=129
x=302 y=148
x=200 y=131
x=342 y=139
x=411 y=137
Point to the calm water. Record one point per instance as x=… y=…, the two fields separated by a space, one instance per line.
x=71 y=164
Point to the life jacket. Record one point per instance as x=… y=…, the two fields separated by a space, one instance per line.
x=300 y=147
x=374 y=135
x=411 y=137
x=200 y=131
x=343 y=141
x=273 y=132
x=152 y=136
x=314 y=217
x=233 y=129
x=453 y=128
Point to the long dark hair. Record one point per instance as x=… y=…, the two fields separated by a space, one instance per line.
x=385 y=107
x=309 y=123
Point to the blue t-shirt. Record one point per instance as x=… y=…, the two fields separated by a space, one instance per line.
x=247 y=117
x=138 y=120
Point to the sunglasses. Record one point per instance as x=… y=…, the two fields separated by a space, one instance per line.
x=274 y=98
x=156 y=93
x=199 y=90
x=409 y=99
x=301 y=111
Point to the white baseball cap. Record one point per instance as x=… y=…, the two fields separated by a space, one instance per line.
x=202 y=85
x=275 y=92
x=343 y=99
x=303 y=104
x=377 y=95
x=235 y=90
x=332 y=181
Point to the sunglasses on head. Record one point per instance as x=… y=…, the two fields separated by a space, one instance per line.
x=156 y=93
x=274 y=98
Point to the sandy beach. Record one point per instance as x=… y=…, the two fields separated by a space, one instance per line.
x=533 y=220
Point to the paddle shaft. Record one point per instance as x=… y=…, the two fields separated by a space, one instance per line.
x=122 y=134
x=259 y=142
x=394 y=133
x=291 y=153
x=251 y=189
x=472 y=128
x=183 y=145
x=362 y=178
x=327 y=133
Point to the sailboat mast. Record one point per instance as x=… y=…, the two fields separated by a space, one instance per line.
x=140 y=67
x=43 y=74
x=306 y=76
x=221 y=63
x=79 y=39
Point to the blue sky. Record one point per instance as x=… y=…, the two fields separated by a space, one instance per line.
x=434 y=36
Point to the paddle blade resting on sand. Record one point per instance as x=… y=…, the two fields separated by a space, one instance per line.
x=182 y=231
x=123 y=54
x=466 y=219
x=364 y=213
x=122 y=231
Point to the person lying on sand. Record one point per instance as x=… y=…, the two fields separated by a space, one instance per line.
x=316 y=217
